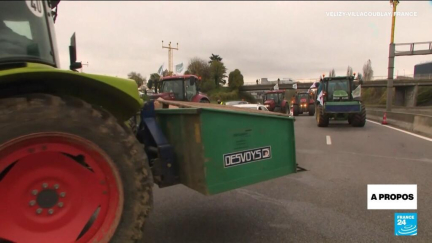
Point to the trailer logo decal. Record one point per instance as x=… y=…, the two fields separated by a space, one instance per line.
x=247 y=156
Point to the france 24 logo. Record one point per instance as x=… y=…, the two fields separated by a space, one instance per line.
x=405 y=224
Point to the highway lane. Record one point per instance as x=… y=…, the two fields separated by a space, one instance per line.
x=327 y=203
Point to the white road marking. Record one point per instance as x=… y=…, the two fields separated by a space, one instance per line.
x=400 y=130
x=328 y=140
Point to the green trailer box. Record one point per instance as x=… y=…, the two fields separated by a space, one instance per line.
x=218 y=150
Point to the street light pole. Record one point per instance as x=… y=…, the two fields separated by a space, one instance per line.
x=391 y=59
x=170 y=55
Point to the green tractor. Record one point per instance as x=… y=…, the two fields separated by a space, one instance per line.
x=339 y=99
x=71 y=167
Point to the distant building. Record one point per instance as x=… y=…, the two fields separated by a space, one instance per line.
x=423 y=70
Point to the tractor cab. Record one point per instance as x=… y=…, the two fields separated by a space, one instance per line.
x=183 y=88
x=336 y=89
x=27 y=33
x=273 y=99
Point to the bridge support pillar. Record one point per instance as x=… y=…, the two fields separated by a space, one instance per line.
x=406 y=96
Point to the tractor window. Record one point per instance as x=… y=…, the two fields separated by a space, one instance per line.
x=191 y=90
x=303 y=98
x=173 y=86
x=277 y=97
x=334 y=85
x=24 y=32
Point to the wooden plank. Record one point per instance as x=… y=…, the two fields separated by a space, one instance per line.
x=161 y=103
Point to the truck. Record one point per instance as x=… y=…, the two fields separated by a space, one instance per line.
x=304 y=102
x=71 y=167
x=279 y=100
x=181 y=88
x=339 y=98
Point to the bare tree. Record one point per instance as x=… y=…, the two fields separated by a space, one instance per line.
x=367 y=71
x=349 y=71
x=332 y=73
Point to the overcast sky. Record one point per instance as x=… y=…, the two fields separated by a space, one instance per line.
x=262 y=39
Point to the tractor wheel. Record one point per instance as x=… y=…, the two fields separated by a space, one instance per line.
x=359 y=119
x=296 y=110
x=204 y=101
x=321 y=117
x=69 y=173
x=287 y=109
x=311 y=110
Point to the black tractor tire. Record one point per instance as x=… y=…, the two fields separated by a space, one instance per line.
x=359 y=119
x=286 y=109
x=123 y=156
x=311 y=110
x=321 y=117
x=204 y=101
x=296 y=110
x=350 y=118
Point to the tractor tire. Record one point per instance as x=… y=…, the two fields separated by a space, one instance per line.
x=204 y=101
x=287 y=110
x=296 y=110
x=70 y=172
x=359 y=119
x=350 y=118
x=311 y=110
x=321 y=117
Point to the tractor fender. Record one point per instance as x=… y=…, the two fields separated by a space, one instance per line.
x=117 y=95
x=285 y=103
x=198 y=97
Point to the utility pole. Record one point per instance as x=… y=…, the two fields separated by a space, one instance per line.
x=391 y=59
x=170 y=55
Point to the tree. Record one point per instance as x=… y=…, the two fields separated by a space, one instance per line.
x=367 y=71
x=235 y=79
x=199 y=67
x=154 y=77
x=139 y=79
x=349 y=71
x=217 y=72
x=256 y=81
x=214 y=57
x=187 y=72
x=332 y=73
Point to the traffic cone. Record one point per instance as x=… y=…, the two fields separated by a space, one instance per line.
x=384 y=120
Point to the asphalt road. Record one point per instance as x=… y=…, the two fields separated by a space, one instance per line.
x=327 y=203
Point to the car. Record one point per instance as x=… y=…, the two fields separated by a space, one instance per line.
x=253 y=106
x=239 y=102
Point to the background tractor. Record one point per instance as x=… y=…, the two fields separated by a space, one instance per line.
x=279 y=100
x=182 y=88
x=339 y=99
x=72 y=169
x=304 y=102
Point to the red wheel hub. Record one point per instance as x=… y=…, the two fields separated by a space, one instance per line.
x=57 y=187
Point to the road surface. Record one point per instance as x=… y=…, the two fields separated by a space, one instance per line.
x=327 y=203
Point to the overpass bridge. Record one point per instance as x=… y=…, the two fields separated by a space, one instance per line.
x=405 y=95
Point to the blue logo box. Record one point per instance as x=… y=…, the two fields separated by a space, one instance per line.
x=405 y=224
